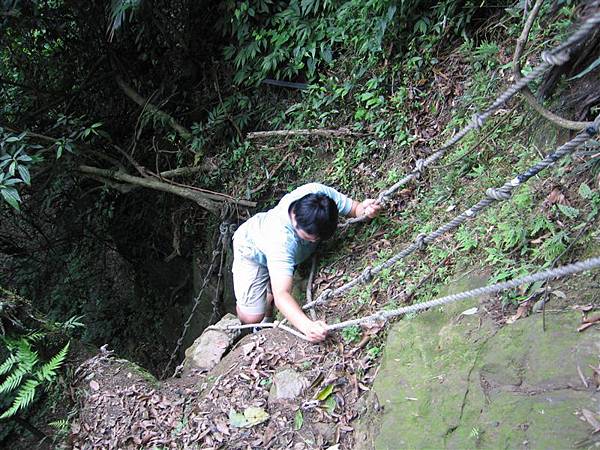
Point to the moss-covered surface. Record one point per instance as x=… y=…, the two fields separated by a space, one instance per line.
x=455 y=381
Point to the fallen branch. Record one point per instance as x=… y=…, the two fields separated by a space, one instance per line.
x=526 y=92
x=184 y=171
x=308 y=132
x=209 y=201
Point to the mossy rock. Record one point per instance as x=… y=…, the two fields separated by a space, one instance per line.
x=453 y=381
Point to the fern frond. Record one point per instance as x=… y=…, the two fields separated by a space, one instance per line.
x=13 y=380
x=26 y=356
x=35 y=336
x=48 y=371
x=8 y=364
x=23 y=399
x=62 y=425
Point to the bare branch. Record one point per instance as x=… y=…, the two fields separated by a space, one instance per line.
x=133 y=95
x=209 y=201
x=206 y=166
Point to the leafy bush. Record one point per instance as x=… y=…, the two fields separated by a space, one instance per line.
x=283 y=39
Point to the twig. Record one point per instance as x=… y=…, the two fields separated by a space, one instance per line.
x=309 y=296
x=304 y=132
x=273 y=172
x=137 y=98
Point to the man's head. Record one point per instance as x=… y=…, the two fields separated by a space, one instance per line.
x=315 y=215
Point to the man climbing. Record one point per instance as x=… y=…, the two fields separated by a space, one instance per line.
x=270 y=244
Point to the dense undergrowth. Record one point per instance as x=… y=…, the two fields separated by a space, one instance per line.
x=401 y=77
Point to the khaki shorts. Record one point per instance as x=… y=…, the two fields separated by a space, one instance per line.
x=251 y=283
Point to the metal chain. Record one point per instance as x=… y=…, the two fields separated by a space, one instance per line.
x=558 y=272
x=558 y=56
x=226 y=229
x=218 y=250
x=492 y=196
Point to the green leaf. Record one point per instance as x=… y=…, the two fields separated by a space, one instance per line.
x=585 y=191
x=298 y=420
x=12 y=197
x=252 y=416
x=11 y=181
x=330 y=404
x=24 y=172
x=324 y=393
x=12 y=139
x=568 y=211
x=24 y=158
x=587 y=70
x=255 y=415
x=236 y=419
x=326 y=55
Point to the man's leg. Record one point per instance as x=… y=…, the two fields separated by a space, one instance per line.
x=251 y=285
x=248 y=318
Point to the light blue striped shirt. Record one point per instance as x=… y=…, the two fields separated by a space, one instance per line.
x=269 y=238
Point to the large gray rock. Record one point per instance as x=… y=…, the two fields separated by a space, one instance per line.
x=287 y=385
x=208 y=349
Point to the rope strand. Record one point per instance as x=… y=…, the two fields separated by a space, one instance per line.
x=492 y=196
x=558 y=272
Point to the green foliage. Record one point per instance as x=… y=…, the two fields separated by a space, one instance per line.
x=24 y=373
x=351 y=334
x=283 y=39
x=121 y=11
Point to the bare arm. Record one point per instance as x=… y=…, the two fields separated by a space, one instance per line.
x=282 y=293
x=368 y=207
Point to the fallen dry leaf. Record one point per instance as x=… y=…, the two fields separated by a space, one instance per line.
x=585 y=326
x=592 y=319
x=590 y=418
x=522 y=311
x=554 y=197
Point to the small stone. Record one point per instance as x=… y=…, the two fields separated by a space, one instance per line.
x=287 y=384
x=325 y=430
x=207 y=350
x=538 y=306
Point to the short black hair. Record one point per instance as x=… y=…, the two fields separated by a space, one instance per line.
x=316 y=214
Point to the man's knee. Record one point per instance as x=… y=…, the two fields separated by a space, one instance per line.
x=249 y=318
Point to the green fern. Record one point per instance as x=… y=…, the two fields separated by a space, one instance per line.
x=8 y=364
x=13 y=380
x=24 y=371
x=61 y=425
x=23 y=399
x=48 y=371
